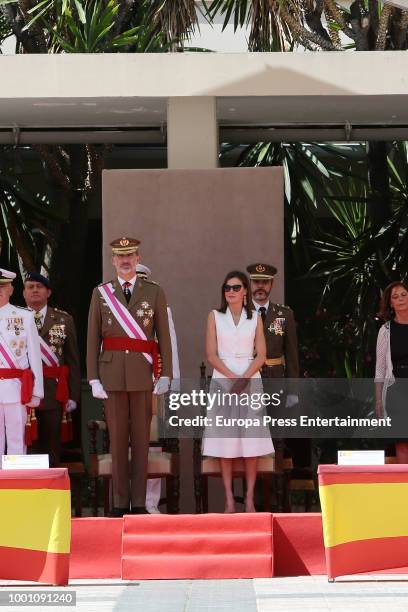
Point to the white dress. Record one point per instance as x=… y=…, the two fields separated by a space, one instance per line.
x=235 y=347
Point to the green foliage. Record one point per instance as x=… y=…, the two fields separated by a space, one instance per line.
x=279 y=25
x=25 y=218
x=5 y=29
x=90 y=26
x=332 y=247
x=269 y=30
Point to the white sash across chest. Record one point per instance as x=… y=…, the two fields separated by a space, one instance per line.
x=128 y=323
x=7 y=359
x=48 y=357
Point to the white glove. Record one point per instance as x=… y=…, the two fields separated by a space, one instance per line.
x=291 y=400
x=34 y=402
x=70 y=406
x=162 y=385
x=98 y=392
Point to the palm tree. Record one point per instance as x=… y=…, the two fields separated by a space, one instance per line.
x=339 y=256
x=356 y=253
x=27 y=219
x=316 y=24
x=72 y=174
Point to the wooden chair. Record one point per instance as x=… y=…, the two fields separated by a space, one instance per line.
x=301 y=479
x=162 y=463
x=269 y=467
x=72 y=459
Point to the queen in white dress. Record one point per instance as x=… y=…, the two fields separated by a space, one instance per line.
x=236 y=349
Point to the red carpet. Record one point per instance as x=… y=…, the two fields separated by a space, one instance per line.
x=96 y=548
x=206 y=546
x=298 y=545
x=199 y=546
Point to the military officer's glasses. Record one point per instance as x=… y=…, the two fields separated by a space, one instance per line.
x=235 y=288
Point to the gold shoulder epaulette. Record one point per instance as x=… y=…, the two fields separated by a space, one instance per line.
x=64 y=312
x=152 y=282
x=283 y=306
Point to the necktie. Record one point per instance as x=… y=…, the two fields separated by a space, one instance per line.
x=126 y=290
x=38 y=320
x=262 y=310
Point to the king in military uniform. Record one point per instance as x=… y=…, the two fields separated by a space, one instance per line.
x=21 y=378
x=126 y=316
x=61 y=364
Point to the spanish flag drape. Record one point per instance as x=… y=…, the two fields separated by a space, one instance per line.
x=35 y=525
x=365 y=517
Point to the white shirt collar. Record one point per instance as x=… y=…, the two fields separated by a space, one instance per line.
x=258 y=306
x=43 y=311
x=131 y=281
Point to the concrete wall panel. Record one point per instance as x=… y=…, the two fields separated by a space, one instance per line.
x=195 y=226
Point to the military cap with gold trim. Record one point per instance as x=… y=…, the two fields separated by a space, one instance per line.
x=6 y=277
x=261 y=271
x=124 y=246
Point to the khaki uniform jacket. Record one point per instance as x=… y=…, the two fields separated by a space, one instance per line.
x=281 y=339
x=58 y=331
x=121 y=370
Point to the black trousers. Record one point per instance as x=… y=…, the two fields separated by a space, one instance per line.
x=49 y=433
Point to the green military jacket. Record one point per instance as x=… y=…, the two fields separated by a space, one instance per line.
x=58 y=331
x=127 y=370
x=281 y=339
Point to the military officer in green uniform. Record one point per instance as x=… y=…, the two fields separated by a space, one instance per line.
x=282 y=359
x=127 y=329
x=279 y=326
x=61 y=364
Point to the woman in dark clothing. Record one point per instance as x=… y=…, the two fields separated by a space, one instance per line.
x=392 y=363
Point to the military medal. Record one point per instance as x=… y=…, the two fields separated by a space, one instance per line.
x=276 y=326
x=17 y=324
x=57 y=336
x=145 y=312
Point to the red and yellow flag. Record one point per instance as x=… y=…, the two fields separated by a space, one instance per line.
x=364 y=513
x=35 y=525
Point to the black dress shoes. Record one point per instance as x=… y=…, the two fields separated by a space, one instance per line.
x=118 y=512
x=139 y=510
